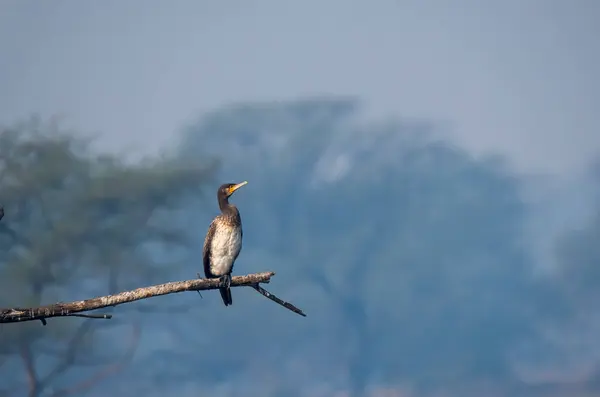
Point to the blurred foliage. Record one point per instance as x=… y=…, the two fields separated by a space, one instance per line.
x=79 y=224
x=566 y=355
x=578 y=258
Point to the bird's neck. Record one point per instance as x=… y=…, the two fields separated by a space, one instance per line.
x=225 y=207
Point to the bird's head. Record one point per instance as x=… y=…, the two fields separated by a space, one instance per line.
x=227 y=189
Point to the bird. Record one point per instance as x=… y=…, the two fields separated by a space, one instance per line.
x=223 y=241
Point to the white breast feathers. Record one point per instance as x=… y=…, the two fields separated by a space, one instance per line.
x=225 y=247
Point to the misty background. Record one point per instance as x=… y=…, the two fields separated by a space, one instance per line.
x=423 y=179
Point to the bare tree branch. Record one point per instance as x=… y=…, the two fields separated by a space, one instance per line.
x=275 y=299
x=61 y=309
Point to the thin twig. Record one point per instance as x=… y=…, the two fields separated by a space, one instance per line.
x=100 y=316
x=61 y=309
x=199 y=276
x=275 y=299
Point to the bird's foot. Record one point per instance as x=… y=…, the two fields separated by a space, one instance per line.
x=226 y=281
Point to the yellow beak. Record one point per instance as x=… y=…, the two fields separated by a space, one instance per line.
x=236 y=187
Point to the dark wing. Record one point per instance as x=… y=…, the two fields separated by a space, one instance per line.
x=241 y=243
x=206 y=248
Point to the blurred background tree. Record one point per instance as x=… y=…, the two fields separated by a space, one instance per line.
x=78 y=225
x=406 y=251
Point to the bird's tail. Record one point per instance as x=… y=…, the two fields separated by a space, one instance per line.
x=226 y=295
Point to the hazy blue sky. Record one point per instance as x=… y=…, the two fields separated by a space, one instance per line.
x=517 y=76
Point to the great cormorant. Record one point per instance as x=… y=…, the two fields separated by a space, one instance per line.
x=223 y=241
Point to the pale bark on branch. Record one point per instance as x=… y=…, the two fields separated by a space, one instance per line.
x=76 y=308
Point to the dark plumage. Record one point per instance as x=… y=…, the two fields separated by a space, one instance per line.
x=223 y=241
